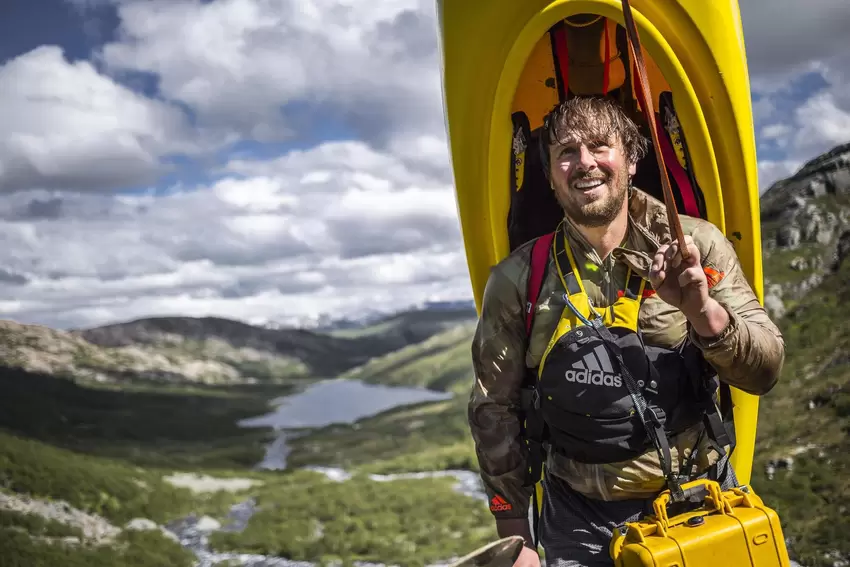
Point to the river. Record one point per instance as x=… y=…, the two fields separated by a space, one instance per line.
x=325 y=403
x=338 y=401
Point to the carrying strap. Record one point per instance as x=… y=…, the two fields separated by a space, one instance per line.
x=535 y=426
x=649 y=113
x=539 y=262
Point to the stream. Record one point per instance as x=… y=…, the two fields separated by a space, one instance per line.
x=325 y=403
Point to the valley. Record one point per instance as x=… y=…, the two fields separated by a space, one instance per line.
x=203 y=441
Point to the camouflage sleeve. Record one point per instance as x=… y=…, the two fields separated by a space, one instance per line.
x=498 y=354
x=750 y=351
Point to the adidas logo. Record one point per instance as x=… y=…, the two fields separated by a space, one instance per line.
x=595 y=377
x=595 y=368
x=499 y=504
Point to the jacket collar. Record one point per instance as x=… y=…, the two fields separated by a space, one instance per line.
x=647 y=230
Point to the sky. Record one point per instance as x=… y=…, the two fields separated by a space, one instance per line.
x=280 y=161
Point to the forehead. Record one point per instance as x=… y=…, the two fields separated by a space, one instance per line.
x=579 y=136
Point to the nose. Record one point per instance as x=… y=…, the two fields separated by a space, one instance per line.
x=586 y=161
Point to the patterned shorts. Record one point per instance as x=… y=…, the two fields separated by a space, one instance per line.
x=575 y=530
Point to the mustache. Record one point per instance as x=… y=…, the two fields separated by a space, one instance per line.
x=580 y=178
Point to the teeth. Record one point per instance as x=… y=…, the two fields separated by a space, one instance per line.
x=589 y=184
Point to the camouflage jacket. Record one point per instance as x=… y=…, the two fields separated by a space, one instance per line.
x=748 y=354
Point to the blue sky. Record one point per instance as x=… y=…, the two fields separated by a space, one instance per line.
x=279 y=161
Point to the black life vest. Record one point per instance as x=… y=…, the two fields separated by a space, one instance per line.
x=600 y=394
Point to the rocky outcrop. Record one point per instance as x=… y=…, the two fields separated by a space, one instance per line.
x=808 y=213
x=94 y=528
x=842 y=250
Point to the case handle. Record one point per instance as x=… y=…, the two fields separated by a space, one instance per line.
x=708 y=490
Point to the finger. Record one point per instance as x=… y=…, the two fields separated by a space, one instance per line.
x=691 y=276
x=658 y=259
x=657 y=278
x=675 y=256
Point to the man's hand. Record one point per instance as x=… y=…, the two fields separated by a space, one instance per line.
x=683 y=284
x=527 y=558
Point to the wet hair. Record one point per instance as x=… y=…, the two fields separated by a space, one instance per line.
x=591 y=118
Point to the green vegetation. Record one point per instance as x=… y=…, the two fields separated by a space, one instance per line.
x=134 y=549
x=807 y=418
x=115 y=490
x=181 y=426
x=37 y=525
x=426 y=437
x=305 y=516
x=781 y=271
x=442 y=362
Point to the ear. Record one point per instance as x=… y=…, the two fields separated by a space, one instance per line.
x=632 y=169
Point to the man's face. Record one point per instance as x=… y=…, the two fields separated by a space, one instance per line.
x=590 y=179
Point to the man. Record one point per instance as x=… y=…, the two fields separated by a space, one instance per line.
x=702 y=305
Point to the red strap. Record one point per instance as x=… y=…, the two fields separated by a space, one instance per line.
x=539 y=261
x=649 y=112
x=686 y=190
x=563 y=57
x=606 y=73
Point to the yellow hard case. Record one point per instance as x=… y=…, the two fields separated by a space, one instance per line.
x=732 y=528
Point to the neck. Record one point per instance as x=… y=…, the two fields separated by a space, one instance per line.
x=605 y=238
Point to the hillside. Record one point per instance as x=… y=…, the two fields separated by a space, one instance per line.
x=174 y=360
x=442 y=362
x=320 y=354
x=802 y=464
x=805 y=223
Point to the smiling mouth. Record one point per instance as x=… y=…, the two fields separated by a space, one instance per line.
x=587 y=184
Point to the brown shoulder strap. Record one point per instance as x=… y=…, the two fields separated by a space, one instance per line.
x=649 y=113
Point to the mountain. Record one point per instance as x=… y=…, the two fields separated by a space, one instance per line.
x=120 y=355
x=805 y=222
x=802 y=462
x=227 y=348
x=320 y=354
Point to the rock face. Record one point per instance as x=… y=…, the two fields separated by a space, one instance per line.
x=806 y=227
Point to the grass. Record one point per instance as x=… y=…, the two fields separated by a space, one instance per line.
x=443 y=362
x=150 y=426
x=807 y=417
x=425 y=437
x=307 y=517
x=135 y=549
x=115 y=490
x=37 y=525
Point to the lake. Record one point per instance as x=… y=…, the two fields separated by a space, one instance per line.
x=331 y=402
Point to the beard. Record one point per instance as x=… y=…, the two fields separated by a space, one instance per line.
x=599 y=212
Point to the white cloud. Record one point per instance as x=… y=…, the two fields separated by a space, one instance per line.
x=286 y=242
x=65 y=126
x=270 y=69
x=822 y=124
x=787 y=37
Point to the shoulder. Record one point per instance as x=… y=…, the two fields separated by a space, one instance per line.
x=714 y=247
x=506 y=283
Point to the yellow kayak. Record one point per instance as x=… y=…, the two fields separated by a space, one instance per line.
x=508 y=62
